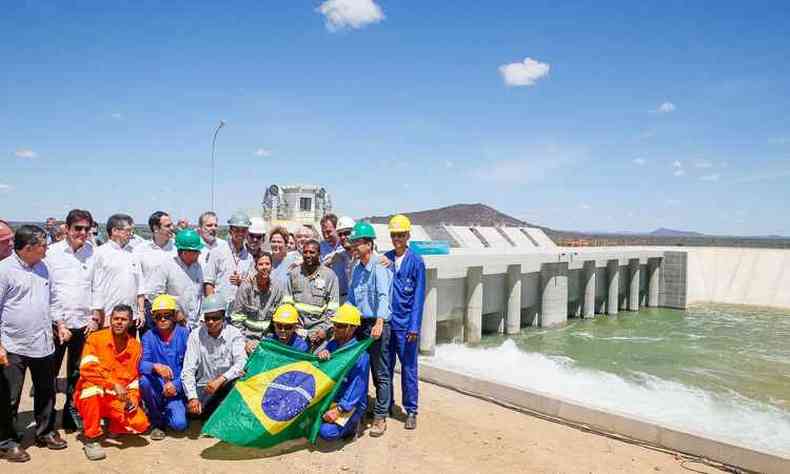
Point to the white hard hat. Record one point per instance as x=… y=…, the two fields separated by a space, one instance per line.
x=345 y=223
x=257 y=225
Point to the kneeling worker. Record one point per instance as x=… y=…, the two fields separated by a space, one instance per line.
x=215 y=358
x=351 y=401
x=164 y=348
x=285 y=320
x=108 y=384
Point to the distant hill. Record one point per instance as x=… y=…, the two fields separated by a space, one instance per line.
x=458 y=214
x=663 y=232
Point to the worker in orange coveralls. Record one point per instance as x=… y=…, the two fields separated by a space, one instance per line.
x=108 y=386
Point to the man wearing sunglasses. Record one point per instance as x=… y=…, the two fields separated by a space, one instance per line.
x=70 y=264
x=285 y=320
x=164 y=349
x=214 y=360
x=343 y=417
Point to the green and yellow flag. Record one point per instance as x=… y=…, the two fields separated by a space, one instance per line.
x=282 y=395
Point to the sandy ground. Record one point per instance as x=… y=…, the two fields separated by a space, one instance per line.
x=456 y=433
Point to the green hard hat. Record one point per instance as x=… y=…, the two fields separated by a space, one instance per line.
x=188 y=239
x=239 y=219
x=362 y=230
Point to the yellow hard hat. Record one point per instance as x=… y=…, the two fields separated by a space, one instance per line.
x=347 y=314
x=400 y=223
x=164 y=303
x=286 y=314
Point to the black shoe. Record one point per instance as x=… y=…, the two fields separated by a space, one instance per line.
x=52 y=441
x=71 y=422
x=15 y=454
x=411 y=421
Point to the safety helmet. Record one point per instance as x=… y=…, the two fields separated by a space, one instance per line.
x=212 y=304
x=257 y=225
x=362 y=230
x=286 y=314
x=345 y=223
x=400 y=223
x=239 y=219
x=164 y=303
x=188 y=239
x=347 y=314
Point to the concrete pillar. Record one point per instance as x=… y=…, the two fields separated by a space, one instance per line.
x=513 y=318
x=553 y=294
x=613 y=275
x=588 y=302
x=473 y=323
x=653 y=278
x=429 y=315
x=633 y=284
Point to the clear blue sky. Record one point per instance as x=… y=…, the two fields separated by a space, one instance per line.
x=639 y=114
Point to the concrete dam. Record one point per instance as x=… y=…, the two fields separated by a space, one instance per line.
x=516 y=283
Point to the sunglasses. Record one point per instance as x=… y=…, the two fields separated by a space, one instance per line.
x=213 y=318
x=161 y=317
x=255 y=236
x=342 y=326
x=344 y=233
x=81 y=228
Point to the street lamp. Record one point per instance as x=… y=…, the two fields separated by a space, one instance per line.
x=213 y=145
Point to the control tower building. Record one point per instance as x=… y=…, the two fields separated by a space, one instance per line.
x=294 y=205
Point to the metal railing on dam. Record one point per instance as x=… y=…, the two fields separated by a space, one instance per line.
x=472 y=291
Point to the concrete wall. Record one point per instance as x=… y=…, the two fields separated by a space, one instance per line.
x=759 y=277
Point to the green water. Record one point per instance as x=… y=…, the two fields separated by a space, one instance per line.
x=730 y=350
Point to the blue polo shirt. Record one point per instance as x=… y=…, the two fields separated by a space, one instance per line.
x=370 y=289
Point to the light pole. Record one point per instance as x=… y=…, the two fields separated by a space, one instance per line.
x=213 y=145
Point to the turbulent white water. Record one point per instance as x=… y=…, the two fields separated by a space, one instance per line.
x=729 y=417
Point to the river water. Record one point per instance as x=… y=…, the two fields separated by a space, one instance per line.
x=717 y=369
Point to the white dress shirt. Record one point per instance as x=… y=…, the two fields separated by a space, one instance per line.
x=25 y=323
x=70 y=273
x=150 y=256
x=174 y=278
x=117 y=278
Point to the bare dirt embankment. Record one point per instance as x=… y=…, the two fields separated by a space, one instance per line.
x=456 y=433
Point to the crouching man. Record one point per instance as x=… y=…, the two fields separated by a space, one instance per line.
x=164 y=349
x=285 y=320
x=108 y=383
x=214 y=360
x=343 y=417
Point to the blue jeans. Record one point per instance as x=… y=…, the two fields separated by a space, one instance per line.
x=379 y=366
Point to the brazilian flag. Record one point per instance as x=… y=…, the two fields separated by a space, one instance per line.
x=282 y=395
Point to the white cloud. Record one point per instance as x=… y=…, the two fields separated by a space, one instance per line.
x=666 y=108
x=448 y=164
x=342 y=14
x=672 y=202
x=639 y=161
x=25 y=153
x=525 y=73
x=117 y=116
x=679 y=172
x=710 y=177
x=677 y=164
x=703 y=164
x=5 y=187
x=585 y=206
x=263 y=152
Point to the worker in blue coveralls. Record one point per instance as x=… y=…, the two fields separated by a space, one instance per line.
x=160 y=369
x=406 y=302
x=342 y=419
x=370 y=292
x=285 y=320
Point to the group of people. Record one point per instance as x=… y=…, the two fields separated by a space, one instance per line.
x=157 y=332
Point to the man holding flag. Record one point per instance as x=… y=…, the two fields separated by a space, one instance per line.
x=351 y=400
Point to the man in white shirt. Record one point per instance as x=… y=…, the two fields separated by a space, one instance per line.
x=207 y=228
x=70 y=263
x=6 y=240
x=153 y=253
x=227 y=267
x=26 y=342
x=182 y=277
x=117 y=278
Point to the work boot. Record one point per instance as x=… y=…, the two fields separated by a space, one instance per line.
x=379 y=427
x=157 y=434
x=14 y=454
x=411 y=421
x=94 y=451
